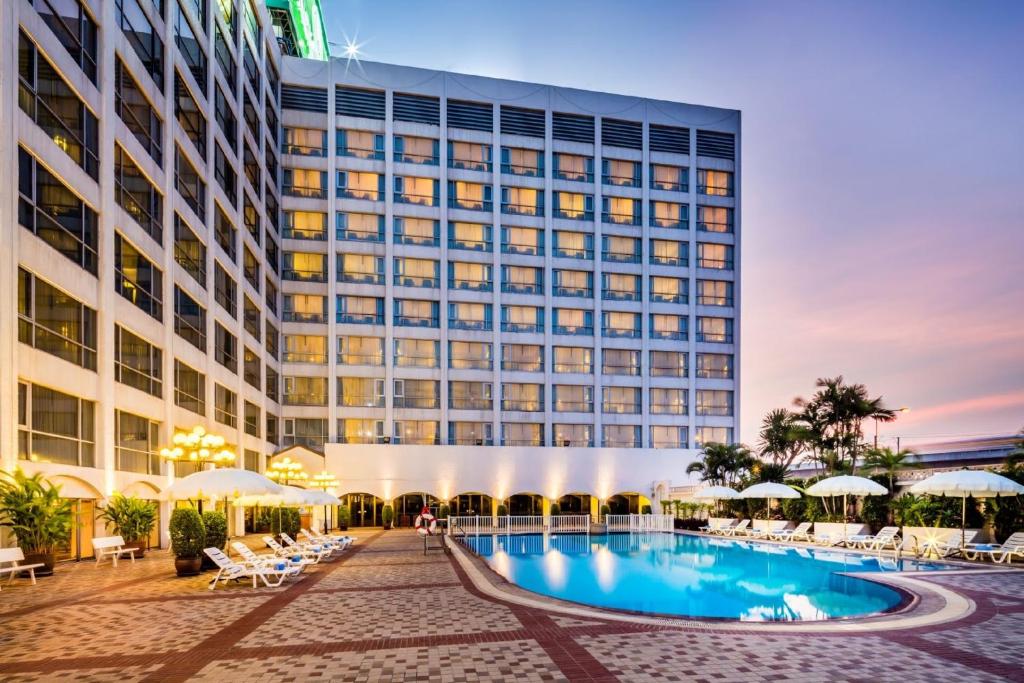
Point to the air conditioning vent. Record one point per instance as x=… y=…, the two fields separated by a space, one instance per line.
x=669 y=139
x=304 y=99
x=717 y=145
x=572 y=127
x=417 y=109
x=470 y=115
x=618 y=133
x=518 y=121
x=367 y=104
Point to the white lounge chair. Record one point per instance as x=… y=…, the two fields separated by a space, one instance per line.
x=235 y=571
x=737 y=529
x=318 y=550
x=827 y=538
x=997 y=552
x=717 y=527
x=800 y=533
x=15 y=556
x=886 y=537
x=250 y=557
x=336 y=544
x=939 y=546
x=281 y=551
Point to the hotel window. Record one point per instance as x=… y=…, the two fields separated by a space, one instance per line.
x=417 y=353
x=188 y=114
x=475 y=277
x=360 y=310
x=225 y=117
x=576 y=245
x=524 y=241
x=620 y=324
x=714 y=293
x=271 y=295
x=305 y=391
x=572 y=360
x=470 y=156
x=470 y=396
x=718 y=183
x=621 y=436
x=572 y=321
x=272 y=433
x=706 y=435
x=225 y=290
x=669 y=253
x=273 y=389
x=189 y=251
x=669 y=215
x=668 y=401
x=573 y=206
x=225 y=232
x=620 y=287
x=360 y=185
x=143 y=38
x=621 y=400
x=363 y=269
x=137 y=443
x=527 y=398
x=620 y=249
x=416 y=313
x=620 y=172
x=414 y=150
x=714 y=219
x=225 y=347
x=669 y=290
x=138 y=114
x=470 y=434
x=305 y=225
x=55 y=322
x=305 y=348
x=251 y=164
x=572 y=398
x=417 y=432
x=620 y=210
x=714 y=256
x=470 y=316
x=304 y=182
x=51 y=211
x=75 y=29
x=55 y=427
x=137 y=279
x=668 y=436
x=414 y=190
x=620 y=362
x=354 y=350
x=471 y=196
x=667 y=326
x=522 y=434
x=572 y=435
x=470 y=236
x=225 y=406
x=189 y=319
x=189 y=388
x=671 y=178
x=522 y=201
x=417 y=393
x=272 y=340
x=359 y=227
x=714 y=402
x=357 y=430
x=310 y=432
x=252 y=425
x=361 y=144
x=137 y=362
x=522 y=280
x=522 y=319
x=417 y=272
x=189 y=46
x=466 y=355
x=303 y=266
x=423 y=232
x=714 y=366
x=714 y=330
x=187 y=181
x=573 y=167
x=307 y=142
x=668 y=364
x=251 y=367
x=305 y=308
x=360 y=392
x=522 y=357
x=524 y=162
x=250 y=218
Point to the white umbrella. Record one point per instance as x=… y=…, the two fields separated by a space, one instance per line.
x=964 y=483
x=716 y=493
x=287 y=496
x=846 y=485
x=769 y=490
x=224 y=482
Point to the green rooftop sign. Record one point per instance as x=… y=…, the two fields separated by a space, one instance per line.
x=306 y=30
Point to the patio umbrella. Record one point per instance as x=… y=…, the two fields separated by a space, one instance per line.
x=963 y=483
x=769 y=490
x=224 y=482
x=716 y=493
x=845 y=485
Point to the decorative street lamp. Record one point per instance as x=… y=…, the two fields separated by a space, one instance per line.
x=198 y=446
x=286 y=471
x=323 y=481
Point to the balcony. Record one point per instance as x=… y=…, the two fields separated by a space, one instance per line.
x=523 y=405
x=415 y=321
x=715 y=337
x=620 y=218
x=417 y=281
x=624 y=333
x=418 y=402
x=470 y=403
x=417 y=199
x=574 y=330
x=300 y=317
x=360 y=318
x=522 y=209
x=470 y=245
x=714 y=263
x=358 y=278
x=709 y=300
x=304 y=191
x=620 y=294
x=669 y=298
x=676 y=261
x=470 y=285
x=522 y=288
x=522 y=248
x=470 y=204
x=357 y=193
x=303 y=275
x=478 y=325
x=574 y=253
x=522 y=327
x=675 y=335
x=620 y=257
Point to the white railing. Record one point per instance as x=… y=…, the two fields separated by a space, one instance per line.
x=569 y=523
x=639 y=522
x=518 y=524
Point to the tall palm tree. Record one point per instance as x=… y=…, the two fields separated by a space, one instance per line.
x=782 y=437
x=722 y=464
x=890 y=462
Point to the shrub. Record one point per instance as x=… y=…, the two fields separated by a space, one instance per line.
x=291 y=521
x=32 y=507
x=387 y=515
x=216 y=525
x=645 y=510
x=265 y=520
x=343 y=515
x=188 y=535
x=556 y=509
x=605 y=511
x=442 y=512
x=502 y=510
x=131 y=517
x=689 y=524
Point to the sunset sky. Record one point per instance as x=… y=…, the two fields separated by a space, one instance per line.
x=883 y=173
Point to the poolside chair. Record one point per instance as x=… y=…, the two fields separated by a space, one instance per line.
x=737 y=529
x=827 y=538
x=997 y=552
x=888 y=536
x=250 y=557
x=281 y=551
x=338 y=543
x=715 y=527
x=235 y=571
x=319 y=550
x=800 y=533
x=939 y=547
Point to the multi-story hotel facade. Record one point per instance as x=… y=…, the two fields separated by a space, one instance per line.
x=459 y=287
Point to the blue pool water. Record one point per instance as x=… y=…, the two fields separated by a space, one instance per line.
x=696 y=576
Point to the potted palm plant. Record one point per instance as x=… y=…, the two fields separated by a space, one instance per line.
x=387 y=515
x=343 y=517
x=216 y=525
x=37 y=516
x=188 y=538
x=132 y=518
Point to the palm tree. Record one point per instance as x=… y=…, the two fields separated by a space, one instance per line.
x=771 y=471
x=722 y=464
x=783 y=437
x=889 y=462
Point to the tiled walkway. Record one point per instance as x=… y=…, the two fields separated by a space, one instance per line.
x=385 y=612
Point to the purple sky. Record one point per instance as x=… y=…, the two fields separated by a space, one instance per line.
x=883 y=172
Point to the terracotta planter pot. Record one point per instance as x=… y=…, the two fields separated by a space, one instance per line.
x=140 y=544
x=48 y=560
x=188 y=566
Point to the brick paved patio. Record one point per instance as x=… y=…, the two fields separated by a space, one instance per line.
x=385 y=612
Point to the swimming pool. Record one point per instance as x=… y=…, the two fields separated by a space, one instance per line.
x=695 y=576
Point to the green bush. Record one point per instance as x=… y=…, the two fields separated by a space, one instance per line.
x=387 y=515
x=33 y=509
x=188 y=535
x=502 y=510
x=344 y=516
x=556 y=509
x=291 y=521
x=605 y=511
x=937 y=511
x=132 y=518
x=1007 y=513
x=216 y=525
x=443 y=512
x=645 y=510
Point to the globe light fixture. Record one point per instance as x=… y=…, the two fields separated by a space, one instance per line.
x=286 y=471
x=198 y=446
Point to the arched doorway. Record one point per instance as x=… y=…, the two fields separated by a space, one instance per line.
x=84 y=517
x=408 y=506
x=364 y=509
x=624 y=504
x=574 y=504
x=525 y=504
x=470 y=504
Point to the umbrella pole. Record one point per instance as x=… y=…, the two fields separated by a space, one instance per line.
x=844 y=520
x=963 y=523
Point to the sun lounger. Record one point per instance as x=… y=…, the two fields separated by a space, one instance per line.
x=716 y=527
x=308 y=556
x=888 y=536
x=739 y=529
x=250 y=557
x=338 y=543
x=319 y=550
x=271 y=575
x=800 y=533
x=997 y=552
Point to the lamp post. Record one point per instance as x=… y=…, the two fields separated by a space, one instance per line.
x=200 y=447
x=904 y=409
x=323 y=481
